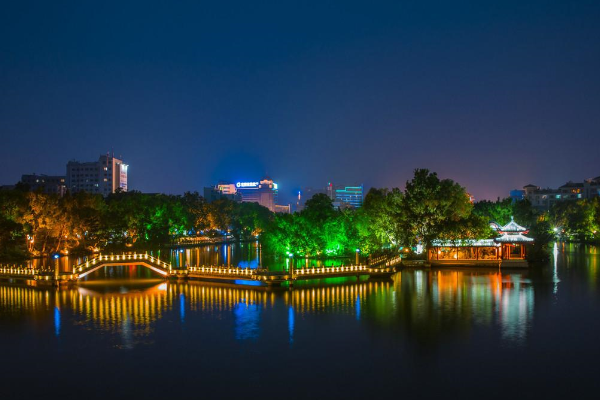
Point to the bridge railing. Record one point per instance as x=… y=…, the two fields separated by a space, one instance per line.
x=386 y=261
x=17 y=270
x=122 y=257
x=331 y=270
x=248 y=272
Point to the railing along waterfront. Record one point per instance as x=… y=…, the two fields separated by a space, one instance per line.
x=17 y=270
x=384 y=260
x=385 y=267
x=331 y=270
x=236 y=271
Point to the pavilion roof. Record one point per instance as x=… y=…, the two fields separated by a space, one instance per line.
x=513 y=239
x=512 y=227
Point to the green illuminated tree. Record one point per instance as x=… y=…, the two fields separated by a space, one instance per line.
x=495 y=211
x=383 y=211
x=431 y=207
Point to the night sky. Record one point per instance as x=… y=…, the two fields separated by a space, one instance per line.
x=493 y=94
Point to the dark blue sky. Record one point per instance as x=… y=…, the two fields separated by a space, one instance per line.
x=494 y=94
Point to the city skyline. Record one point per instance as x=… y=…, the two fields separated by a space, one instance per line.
x=289 y=193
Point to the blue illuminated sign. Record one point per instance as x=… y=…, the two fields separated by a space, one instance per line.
x=246 y=184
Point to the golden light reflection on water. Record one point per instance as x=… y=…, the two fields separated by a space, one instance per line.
x=343 y=299
x=14 y=300
x=422 y=302
x=214 y=299
x=467 y=298
x=110 y=312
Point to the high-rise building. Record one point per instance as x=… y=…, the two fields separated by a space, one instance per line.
x=345 y=196
x=104 y=176
x=264 y=192
x=45 y=183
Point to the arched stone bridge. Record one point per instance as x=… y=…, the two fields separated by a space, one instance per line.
x=384 y=268
x=148 y=261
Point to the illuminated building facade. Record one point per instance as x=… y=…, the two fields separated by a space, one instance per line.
x=226 y=188
x=346 y=196
x=222 y=191
x=545 y=198
x=287 y=209
x=264 y=192
x=517 y=195
x=103 y=177
x=46 y=183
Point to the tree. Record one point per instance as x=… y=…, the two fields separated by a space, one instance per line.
x=495 y=211
x=576 y=219
x=318 y=209
x=196 y=209
x=431 y=206
x=382 y=225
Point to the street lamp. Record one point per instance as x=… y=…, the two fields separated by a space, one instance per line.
x=357 y=251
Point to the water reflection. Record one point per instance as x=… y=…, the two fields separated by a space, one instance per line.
x=244 y=255
x=424 y=305
x=351 y=339
x=291 y=321
x=246 y=320
x=436 y=303
x=56 y=321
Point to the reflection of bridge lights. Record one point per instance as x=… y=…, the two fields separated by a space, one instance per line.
x=163 y=287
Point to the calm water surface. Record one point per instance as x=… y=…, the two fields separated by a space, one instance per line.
x=243 y=255
x=439 y=333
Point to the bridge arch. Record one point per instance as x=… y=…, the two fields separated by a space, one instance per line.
x=145 y=260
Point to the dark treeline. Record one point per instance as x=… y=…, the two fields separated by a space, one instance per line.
x=37 y=224
x=570 y=220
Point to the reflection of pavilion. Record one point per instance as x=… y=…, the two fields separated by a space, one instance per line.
x=441 y=301
x=507 y=250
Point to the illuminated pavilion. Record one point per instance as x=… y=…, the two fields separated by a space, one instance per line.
x=508 y=249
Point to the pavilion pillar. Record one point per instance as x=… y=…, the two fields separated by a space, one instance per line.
x=522 y=251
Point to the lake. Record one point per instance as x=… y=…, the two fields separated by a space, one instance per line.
x=440 y=333
x=243 y=255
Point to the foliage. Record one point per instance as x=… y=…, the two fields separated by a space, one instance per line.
x=33 y=223
x=382 y=218
x=430 y=208
x=495 y=211
x=318 y=230
x=434 y=208
x=577 y=220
